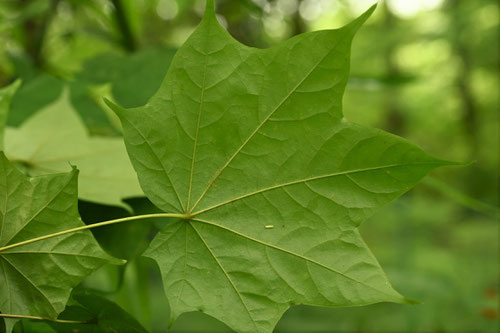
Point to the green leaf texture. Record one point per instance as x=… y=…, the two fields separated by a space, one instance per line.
x=36 y=279
x=55 y=135
x=99 y=314
x=253 y=145
x=6 y=95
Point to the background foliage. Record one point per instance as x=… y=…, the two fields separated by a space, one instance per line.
x=427 y=70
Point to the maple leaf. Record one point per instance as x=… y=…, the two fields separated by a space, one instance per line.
x=55 y=135
x=252 y=145
x=36 y=278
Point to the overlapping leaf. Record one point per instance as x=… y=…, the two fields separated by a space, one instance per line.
x=252 y=144
x=55 y=135
x=5 y=98
x=117 y=73
x=36 y=278
x=99 y=315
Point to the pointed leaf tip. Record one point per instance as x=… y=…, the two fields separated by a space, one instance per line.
x=11 y=89
x=118 y=110
x=411 y=302
x=369 y=11
x=17 y=84
x=74 y=168
x=358 y=22
x=209 y=10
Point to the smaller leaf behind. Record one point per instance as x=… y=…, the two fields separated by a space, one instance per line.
x=55 y=135
x=5 y=98
x=122 y=240
x=101 y=315
x=36 y=279
x=461 y=198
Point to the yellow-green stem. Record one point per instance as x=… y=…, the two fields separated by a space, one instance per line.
x=95 y=225
x=14 y=316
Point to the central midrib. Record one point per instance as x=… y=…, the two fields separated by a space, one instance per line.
x=289 y=252
x=304 y=180
x=195 y=144
x=266 y=119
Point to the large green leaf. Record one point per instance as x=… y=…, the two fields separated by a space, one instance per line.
x=253 y=145
x=55 y=135
x=36 y=278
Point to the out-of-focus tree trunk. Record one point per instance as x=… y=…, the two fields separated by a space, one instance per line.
x=128 y=40
x=298 y=24
x=463 y=80
x=34 y=30
x=395 y=122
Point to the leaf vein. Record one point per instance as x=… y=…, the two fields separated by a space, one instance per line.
x=7 y=283
x=54 y=253
x=195 y=144
x=32 y=283
x=226 y=274
x=306 y=180
x=266 y=119
x=4 y=216
x=290 y=253
x=185 y=268
x=158 y=159
x=39 y=211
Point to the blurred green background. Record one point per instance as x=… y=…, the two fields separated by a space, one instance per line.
x=427 y=70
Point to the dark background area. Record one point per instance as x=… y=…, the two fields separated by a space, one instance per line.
x=427 y=70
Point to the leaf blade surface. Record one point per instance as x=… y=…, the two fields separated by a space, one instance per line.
x=37 y=278
x=253 y=144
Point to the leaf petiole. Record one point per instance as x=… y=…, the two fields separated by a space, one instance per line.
x=6 y=315
x=96 y=225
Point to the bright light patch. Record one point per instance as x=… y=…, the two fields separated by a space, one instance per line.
x=275 y=26
x=410 y=8
x=260 y=3
x=288 y=7
x=360 y=6
x=167 y=9
x=222 y=20
x=310 y=9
